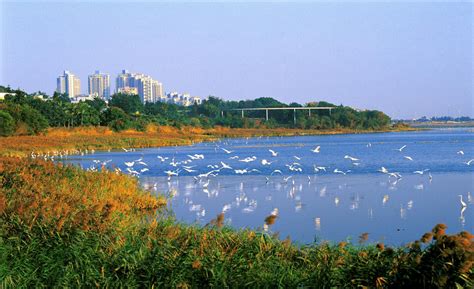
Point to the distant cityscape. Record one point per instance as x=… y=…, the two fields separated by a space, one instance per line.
x=147 y=88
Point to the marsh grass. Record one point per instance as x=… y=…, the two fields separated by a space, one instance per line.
x=77 y=140
x=64 y=227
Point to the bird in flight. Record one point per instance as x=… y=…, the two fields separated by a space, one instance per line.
x=469 y=162
x=316 y=149
x=400 y=149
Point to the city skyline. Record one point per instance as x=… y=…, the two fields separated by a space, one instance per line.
x=406 y=59
x=147 y=88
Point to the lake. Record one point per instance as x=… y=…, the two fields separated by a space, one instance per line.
x=335 y=194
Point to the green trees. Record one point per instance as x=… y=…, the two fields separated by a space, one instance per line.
x=7 y=124
x=128 y=103
x=32 y=115
x=117 y=119
x=27 y=120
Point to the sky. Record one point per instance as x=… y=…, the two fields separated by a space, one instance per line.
x=408 y=59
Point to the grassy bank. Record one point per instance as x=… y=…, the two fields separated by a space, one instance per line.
x=77 y=140
x=64 y=227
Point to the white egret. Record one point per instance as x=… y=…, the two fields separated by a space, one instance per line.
x=408 y=158
x=383 y=170
x=226 y=208
x=248 y=159
x=206 y=175
x=241 y=172
x=274 y=153
x=129 y=164
x=316 y=149
x=172 y=173
x=162 y=159
x=351 y=158
x=460 y=152
x=421 y=172
x=227 y=151
x=225 y=166
x=276 y=172
x=400 y=149
x=463 y=204
x=189 y=170
x=319 y=168
x=469 y=162
x=266 y=163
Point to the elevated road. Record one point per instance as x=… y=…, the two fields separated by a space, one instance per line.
x=294 y=109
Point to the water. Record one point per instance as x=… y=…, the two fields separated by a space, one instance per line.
x=320 y=205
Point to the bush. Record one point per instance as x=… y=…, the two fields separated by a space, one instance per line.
x=117 y=119
x=35 y=121
x=7 y=124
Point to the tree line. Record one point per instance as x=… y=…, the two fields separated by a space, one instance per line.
x=23 y=113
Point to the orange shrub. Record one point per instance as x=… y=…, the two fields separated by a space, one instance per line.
x=66 y=196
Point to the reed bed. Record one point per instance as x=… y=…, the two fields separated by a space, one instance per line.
x=81 y=139
x=64 y=227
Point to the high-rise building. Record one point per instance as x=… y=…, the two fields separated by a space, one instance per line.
x=99 y=85
x=68 y=83
x=148 y=89
x=124 y=80
x=157 y=89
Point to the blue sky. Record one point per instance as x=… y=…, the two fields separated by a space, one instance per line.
x=408 y=59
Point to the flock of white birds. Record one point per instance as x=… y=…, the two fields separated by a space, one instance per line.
x=204 y=175
x=204 y=179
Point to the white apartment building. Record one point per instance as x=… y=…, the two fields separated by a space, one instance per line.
x=68 y=83
x=99 y=85
x=184 y=99
x=149 y=89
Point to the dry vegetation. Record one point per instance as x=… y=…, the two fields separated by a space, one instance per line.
x=74 y=140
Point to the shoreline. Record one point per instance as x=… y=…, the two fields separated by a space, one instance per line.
x=85 y=139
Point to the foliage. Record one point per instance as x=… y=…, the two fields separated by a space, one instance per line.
x=130 y=103
x=7 y=124
x=59 y=111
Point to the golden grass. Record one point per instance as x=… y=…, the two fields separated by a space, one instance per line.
x=77 y=140
x=67 y=197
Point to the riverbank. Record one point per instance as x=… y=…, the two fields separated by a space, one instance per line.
x=61 y=226
x=80 y=140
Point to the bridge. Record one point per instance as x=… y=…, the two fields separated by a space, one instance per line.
x=267 y=109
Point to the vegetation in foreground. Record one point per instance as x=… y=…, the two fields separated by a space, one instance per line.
x=64 y=227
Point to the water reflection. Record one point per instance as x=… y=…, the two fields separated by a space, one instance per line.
x=342 y=205
x=396 y=188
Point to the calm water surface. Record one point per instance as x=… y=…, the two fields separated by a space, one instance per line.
x=317 y=204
